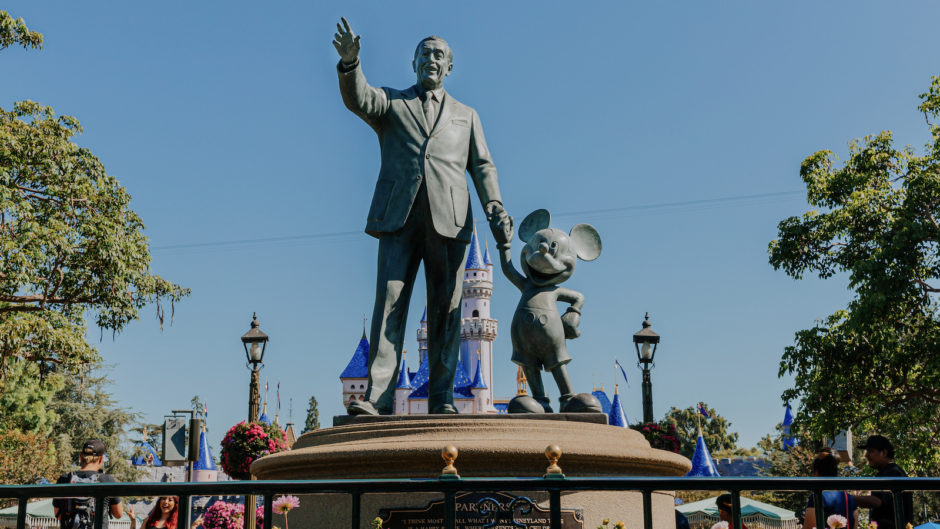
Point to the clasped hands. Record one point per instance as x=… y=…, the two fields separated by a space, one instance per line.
x=501 y=224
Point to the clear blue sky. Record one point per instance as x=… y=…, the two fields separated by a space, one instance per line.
x=224 y=122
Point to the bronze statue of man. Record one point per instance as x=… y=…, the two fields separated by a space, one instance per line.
x=420 y=211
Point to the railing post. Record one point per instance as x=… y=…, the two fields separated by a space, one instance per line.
x=268 y=510
x=450 y=510
x=898 y=499
x=818 y=508
x=21 y=514
x=356 y=505
x=647 y=509
x=554 y=508
x=736 y=509
x=184 y=513
x=100 y=512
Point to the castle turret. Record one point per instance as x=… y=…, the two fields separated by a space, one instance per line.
x=423 y=337
x=402 y=388
x=478 y=329
x=356 y=375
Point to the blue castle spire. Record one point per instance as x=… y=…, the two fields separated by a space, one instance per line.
x=358 y=366
x=486 y=255
x=474 y=259
x=142 y=459
x=602 y=397
x=403 y=381
x=264 y=415
x=205 y=461
x=702 y=464
x=616 y=417
x=478 y=382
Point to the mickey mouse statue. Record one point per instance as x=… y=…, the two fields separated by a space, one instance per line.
x=538 y=332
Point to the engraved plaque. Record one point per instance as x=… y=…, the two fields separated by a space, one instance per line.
x=481 y=510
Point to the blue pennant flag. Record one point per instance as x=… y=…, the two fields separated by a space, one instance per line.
x=701 y=409
x=624 y=373
x=788 y=440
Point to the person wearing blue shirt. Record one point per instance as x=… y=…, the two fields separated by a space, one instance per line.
x=834 y=501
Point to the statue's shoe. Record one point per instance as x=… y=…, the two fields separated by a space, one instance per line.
x=444 y=409
x=361 y=407
x=580 y=403
x=526 y=404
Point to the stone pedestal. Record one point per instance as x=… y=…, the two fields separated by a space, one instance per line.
x=409 y=446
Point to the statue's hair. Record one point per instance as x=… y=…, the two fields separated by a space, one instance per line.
x=450 y=52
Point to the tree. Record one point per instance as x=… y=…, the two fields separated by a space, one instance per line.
x=69 y=243
x=24 y=403
x=14 y=32
x=715 y=430
x=313 y=417
x=85 y=411
x=26 y=457
x=872 y=366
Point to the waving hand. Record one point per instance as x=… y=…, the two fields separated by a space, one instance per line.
x=346 y=42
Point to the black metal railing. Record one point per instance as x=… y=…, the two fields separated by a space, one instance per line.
x=450 y=487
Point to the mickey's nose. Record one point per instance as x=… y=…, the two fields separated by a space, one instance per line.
x=543 y=247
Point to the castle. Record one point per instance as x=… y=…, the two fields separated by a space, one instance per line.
x=473 y=383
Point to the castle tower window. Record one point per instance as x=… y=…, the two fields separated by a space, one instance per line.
x=476 y=313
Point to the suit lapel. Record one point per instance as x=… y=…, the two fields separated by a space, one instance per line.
x=447 y=108
x=413 y=102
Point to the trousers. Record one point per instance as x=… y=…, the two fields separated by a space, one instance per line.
x=399 y=255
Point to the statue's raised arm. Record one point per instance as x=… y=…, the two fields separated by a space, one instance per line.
x=346 y=42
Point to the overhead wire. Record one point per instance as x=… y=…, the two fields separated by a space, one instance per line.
x=587 y=214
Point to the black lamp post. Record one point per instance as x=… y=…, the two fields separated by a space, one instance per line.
x=255 y=342
x=645 y=342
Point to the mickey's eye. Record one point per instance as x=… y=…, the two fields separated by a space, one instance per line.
x=553 y=248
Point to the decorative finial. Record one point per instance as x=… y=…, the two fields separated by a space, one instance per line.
x=254 y=320
x=520 y=382
x=553 y=454
x=449 y=454
x=646 y=322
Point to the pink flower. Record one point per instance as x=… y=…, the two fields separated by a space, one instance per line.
x=837 y=521
x=284 y=504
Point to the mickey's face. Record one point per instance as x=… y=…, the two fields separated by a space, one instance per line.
x=548 y=257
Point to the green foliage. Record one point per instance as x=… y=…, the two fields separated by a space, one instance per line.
x=715 y=430
x=313 y=417
x=69 y=243
x=14 y=31
x=86 y=410
x=26 y=457
x=24 y=400
x=873 y=366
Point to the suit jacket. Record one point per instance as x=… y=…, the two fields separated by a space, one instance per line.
x=412 y=152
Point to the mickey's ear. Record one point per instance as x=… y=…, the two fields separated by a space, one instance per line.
x=586 y=241
x=535 y=221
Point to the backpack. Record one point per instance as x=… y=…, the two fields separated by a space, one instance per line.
x=79 y=512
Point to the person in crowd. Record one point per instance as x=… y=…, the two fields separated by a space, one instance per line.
x=723 y=503
x=79 y=513
x=879 y=452
x=164 y=515
x=826 y=464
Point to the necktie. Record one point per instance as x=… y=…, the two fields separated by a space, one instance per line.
x=429 y=110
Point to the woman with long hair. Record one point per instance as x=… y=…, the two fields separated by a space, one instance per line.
x=163 y=514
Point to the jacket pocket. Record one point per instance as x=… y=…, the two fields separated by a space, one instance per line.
x=461 y=199
x=380 y=199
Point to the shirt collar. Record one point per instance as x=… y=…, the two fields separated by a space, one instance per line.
x=438 y=93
